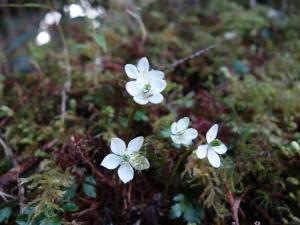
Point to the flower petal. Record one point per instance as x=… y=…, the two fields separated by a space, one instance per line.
x=133 y=88
x=201 y=151
x=156 y=98
x=213 y=158
x=221 y=149
x=131 y=71
x=182 y=124
x=191 y=133
x=174 y=128
x=176 y=139
x=158 y=85
x=125 y=172
x=141 y=99
x=118 y=146
x=135 y=144
x=211 y=134
x=156 y=74
x=111 y=161
x=139 y=162
x=143 y=65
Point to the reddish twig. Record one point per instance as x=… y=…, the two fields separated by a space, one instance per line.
x=12 y=175
x=234 y=203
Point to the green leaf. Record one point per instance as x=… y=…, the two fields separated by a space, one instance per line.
x=100 y=40
x=70 y=192
x=22 y=219
x=88 y=186
x=175 y=211
x=70 y=207
x=179 y=198
x=5 y=214
x=50 y=221
x=140 y=116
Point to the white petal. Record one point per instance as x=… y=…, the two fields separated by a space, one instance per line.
x=141 y=99
x=213 y=158
x=135 y=144
x=182 y=124
x=125 y=172
x=111 y=161
x=176 y=139
x=133 y=88
x=191 y=133
x=117 y=146
x=131 y=71
x=202 y=151
x=158 y=85
x=143 y=65
x=156 y=74
x=221 y=149
x=211 y=134
x=186 y=140
x=140 y=162
x=156 y=98
x=174 y=128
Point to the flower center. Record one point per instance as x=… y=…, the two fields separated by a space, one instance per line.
x=215 y=143
x=147 y=90
x=126 y=157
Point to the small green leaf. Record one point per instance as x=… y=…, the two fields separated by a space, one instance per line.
x=100 y=40
x=22 y=219
x=70 y=207
x=175 y=211
x=140 y=116
x=5 y=214
x=88 y=186
x=70 y=192
x=50 y=221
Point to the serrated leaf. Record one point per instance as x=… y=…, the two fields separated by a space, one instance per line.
x=101 y=41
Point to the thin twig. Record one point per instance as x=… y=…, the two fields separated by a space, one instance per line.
x=26 y=5
x=68 y=82
x=10 y=155
x=198 y=53
x=140 y=22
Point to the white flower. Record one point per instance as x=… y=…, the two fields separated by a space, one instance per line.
x=126 y=158
x=147 y=84
x=181 y=134
x=212 y=148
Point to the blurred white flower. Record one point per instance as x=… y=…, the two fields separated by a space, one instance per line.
x=229 y=35
x=212 y=148
x=181 y=134
x=42 y=38
x=52 y=18
x=147 y=84
x=75 y=10
x=126 y=158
